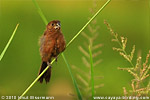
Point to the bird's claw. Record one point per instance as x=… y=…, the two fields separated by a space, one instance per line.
x=49 y=64
x=56 y=58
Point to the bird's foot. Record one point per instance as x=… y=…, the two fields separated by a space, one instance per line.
x=49 y=64
x=56 y=58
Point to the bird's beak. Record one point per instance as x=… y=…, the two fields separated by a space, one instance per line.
x=57 y=26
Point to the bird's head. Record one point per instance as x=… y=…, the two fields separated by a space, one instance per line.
x=54 y=26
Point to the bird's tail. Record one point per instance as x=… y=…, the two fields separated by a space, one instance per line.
x=47 y=74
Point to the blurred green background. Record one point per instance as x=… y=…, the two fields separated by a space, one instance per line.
x=20 y=65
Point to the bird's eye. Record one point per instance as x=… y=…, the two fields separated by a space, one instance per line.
x=52 y=24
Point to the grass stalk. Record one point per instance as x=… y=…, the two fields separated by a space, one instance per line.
x=40 y=12
x=33 y=83
x=73 y=79
x=7 y=45
x=45 y=21
x=92 y=72
x=149 y=18
x=88 y=22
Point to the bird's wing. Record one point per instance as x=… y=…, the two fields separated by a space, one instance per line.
x=61 y=44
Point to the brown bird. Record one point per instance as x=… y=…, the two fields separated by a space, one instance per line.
x=52 y=43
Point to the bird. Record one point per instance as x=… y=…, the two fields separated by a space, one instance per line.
x=52 y=43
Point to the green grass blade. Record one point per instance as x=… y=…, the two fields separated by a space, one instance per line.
x=88 y=22
x=73 y=79
x=29 y=87
x=33 y=83
x=6 y=47
x=40 y=12
x=149 y=17
x=92 y=72
x=45 y=21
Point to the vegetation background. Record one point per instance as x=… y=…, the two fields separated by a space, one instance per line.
x=21 y=63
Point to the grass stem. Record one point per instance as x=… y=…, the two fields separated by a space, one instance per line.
x=73 y=79
x=6 y=47
x=92 y=72
x=33 y=83
x=40 y=12
x=88 y=22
